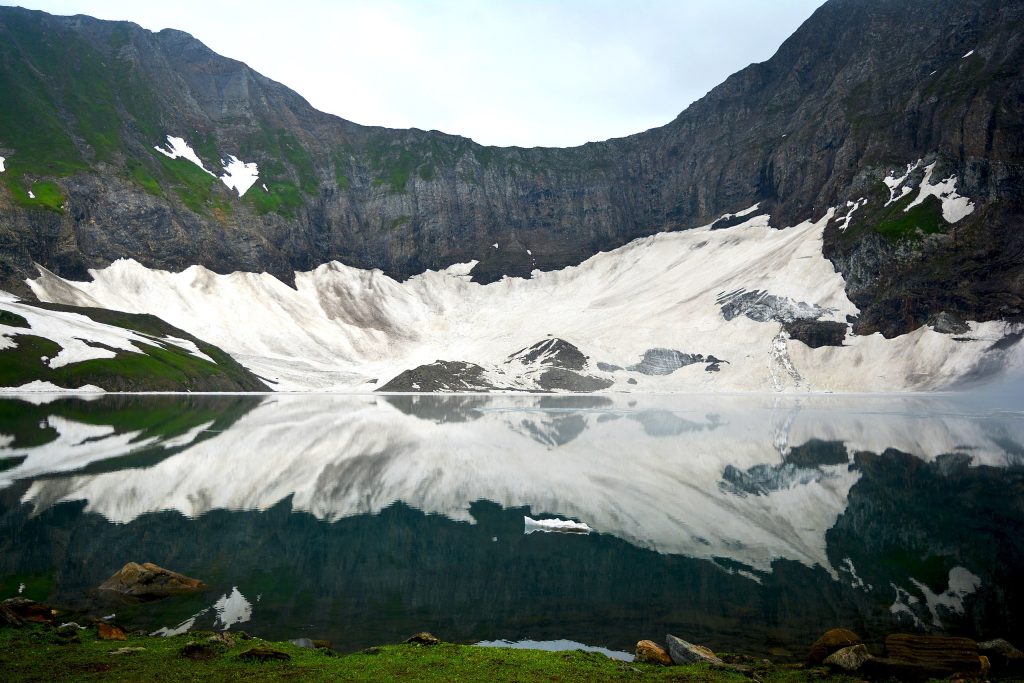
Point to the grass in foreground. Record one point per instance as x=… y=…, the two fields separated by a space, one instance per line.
x=36 y=654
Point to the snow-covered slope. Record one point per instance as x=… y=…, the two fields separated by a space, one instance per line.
x=46 y=350
x=728 y=296
x=340 y=456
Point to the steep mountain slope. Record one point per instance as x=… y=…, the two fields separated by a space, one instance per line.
x=747 y=308
x=863 y=88
x=51 y=347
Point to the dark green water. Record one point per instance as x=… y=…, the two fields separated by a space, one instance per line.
x=749 y=524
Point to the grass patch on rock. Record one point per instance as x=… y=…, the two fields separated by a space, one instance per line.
x=36 y=654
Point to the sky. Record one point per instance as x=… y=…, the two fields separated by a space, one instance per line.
x=552 y=73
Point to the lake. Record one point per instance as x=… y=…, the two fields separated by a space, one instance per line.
x=747 y=523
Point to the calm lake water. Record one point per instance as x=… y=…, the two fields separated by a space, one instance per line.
x=749 y=524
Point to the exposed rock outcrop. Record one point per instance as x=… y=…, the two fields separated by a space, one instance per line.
x=148 y=581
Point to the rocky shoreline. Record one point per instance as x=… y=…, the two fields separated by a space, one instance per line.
x=28 y=628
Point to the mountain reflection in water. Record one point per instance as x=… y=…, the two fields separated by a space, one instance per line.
x=747 y=523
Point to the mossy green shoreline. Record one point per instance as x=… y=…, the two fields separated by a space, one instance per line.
x=38 y=653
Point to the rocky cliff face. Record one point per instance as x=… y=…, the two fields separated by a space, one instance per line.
x=863 y=87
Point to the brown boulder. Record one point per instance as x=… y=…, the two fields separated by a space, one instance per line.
x=148 y=581
x=105 y=631
x=423 y=638
x=831 y=641
x=849 y=658
x=23 y=609
x=649 y=652
x=937 y=656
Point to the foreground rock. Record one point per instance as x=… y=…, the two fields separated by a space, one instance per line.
x=19 y=611
x=264 y=654
x=1006 y=659
x=649 y=652
x=849 y=658
x=917 y=657
x=683 y=652
x=831 y=641
x=105 y=631
x=423 y=638
x=148 y=581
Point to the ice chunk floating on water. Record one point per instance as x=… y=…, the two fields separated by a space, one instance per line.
x=564 y=526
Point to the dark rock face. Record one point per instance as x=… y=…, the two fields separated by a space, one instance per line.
x=549 y=365
x=764 y=307
x=556 y=353
x=817 y=333
x=862 y=87
x=567 y=380
x=666 y=361
x=442 y=375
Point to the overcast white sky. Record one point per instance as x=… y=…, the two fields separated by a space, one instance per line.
x=503 y=72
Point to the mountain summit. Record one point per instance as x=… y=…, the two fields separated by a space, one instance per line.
x=893 y=130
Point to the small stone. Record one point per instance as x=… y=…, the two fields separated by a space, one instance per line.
x=303 y=643
x=849 y=658
x=222 y=638
x=683 y=652
x=128 y=650
x=323 y=644
x=198 y=651
x=649 y=652
x=423 y=638
x=107 y=631
x=831 y=641
x=371 y=651
x=148 y=581
x=264 y=654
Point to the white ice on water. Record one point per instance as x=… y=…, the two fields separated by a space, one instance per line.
x=565 y=526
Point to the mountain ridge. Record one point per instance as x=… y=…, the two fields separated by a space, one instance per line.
x=843 y=101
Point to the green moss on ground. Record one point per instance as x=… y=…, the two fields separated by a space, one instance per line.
x=155 y=368
x=36 y=654
x=895 y=222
